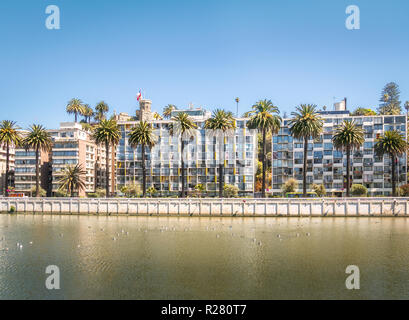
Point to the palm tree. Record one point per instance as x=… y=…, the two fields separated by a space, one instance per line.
x=264 y=118
x=222 y=125
x=348 y=136
x=167 y=111
x=142 y=135
x=157 y=116
x=184 y=127
x=72 y=179
x=306 y=123
x=9 y=136
x=75 y=107
x=107 y=133
x=393 y=144
x=37 y=139
x=88 y=113
x=237 y=104
x=101 y=109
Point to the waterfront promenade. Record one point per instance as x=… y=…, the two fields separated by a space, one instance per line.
x=211 y=207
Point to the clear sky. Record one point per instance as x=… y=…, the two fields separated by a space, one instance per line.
x=205 y=52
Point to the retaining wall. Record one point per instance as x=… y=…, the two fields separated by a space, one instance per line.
x=212 y=207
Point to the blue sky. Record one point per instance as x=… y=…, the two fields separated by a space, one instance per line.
x=203 y=52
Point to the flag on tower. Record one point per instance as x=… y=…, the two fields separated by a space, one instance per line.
x=139 y=95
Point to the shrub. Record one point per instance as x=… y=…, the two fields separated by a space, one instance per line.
x=404 y=190
x=132 y=190
x=359 y=190
x=61 y=194
x=151 y=191
x=99 y=193
x=230 y=191
x=43 y=193
x=290 y=185
x=319 y=189
x=12 y=209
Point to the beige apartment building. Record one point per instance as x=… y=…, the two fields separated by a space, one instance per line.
x=71 y=145
x=3 y=154
x=25 y=170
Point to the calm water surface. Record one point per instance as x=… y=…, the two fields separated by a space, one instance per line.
x=203 y=258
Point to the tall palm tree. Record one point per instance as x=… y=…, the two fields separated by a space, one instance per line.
x=75 y=106
x=157 y=116
x=107 y=133
x=167 y=111
x=10 y=137
x=183 y=127
x=347 y=137
x=306 y=123
x=101 y=109
x=72 y=179
x=88 y=113
x=37 y=139
x=237 y=105
x=222 y=125
x=142 y=135
x=393 y=144
x=264 y=118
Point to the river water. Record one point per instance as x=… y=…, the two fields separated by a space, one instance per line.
x=203 y=258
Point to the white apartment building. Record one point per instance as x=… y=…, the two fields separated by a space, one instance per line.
x=327 y=166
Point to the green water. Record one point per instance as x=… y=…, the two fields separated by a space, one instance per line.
x=203 y=258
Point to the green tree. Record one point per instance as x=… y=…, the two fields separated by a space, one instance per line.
x=142 y=135
x=394 y=145
x=291 y=185
x=183 y=126
x=101 y=109
x=230 y=191
x=107 y=133
x=390 y=103
x=75 y=106
x=306 y=123
x=358 y=190
x=9 y=137
x=363 y=112
x=319 y=189
x=407 y=106
x=37 y=139
x=348 y=137
x=222 y=125
x=167 y=111
x=264 y=117
x=72 y=179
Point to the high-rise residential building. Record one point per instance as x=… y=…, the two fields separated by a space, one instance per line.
x=201 y=156
x=71 y=145
x=25 y=170
x=3 y=157
x=327 y=166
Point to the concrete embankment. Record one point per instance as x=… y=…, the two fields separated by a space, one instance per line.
x=332 y=207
